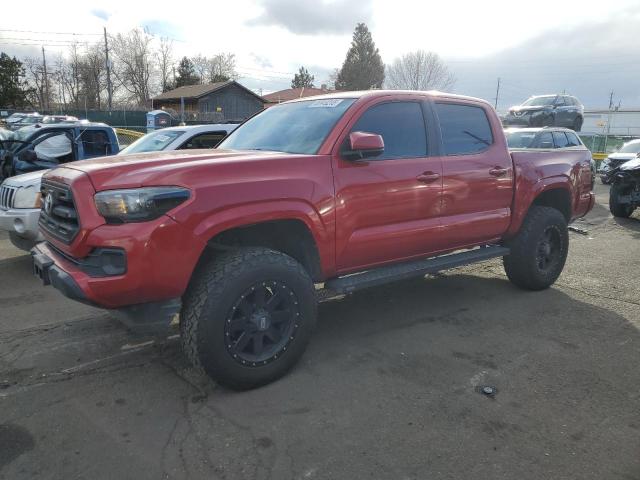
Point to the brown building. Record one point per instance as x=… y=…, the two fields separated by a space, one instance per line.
x=292 y=94
x=229 y=100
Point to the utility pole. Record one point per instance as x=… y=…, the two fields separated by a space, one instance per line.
x=45 y=101
x=108 y=65
x=497 y=94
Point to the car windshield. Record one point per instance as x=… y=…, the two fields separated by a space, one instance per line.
x=539 y=101
x=298 y=127
x=632 y=147
x=31 y=120
x=520 y=139
x=152 y=142
x=20 y=136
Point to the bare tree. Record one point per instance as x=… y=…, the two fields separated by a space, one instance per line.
x=164 y=56
x=222 y=67
x=134 y=66
x=201 y=67
x=36 y=81
x=419 y=70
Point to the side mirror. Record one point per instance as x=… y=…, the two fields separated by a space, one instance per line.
x=28 y=156
x=364 y=145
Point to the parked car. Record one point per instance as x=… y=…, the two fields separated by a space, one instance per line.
x=14 y=118
x=628 y=151
x=344 y=189
x=547 y=137
x=180 y=138
x=47 y=119
x=624 y=194
x=547 y=111
x=33 y=150
x=25 y=120
x=20 y=195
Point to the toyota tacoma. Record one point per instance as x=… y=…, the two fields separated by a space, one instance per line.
x=344 y=191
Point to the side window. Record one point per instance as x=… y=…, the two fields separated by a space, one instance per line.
x=559 y=101
x=545 y=140
x=573 y=139
x=401 y=125
x=204 y=140
x=95 y=143
x=560 y=139
x=56 y=146
x=465 y=128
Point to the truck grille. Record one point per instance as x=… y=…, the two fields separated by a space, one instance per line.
x=58 y=216
x=7 y=195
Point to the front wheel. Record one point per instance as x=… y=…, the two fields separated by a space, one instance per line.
x=539 y=250
x=248 y=316
x=621 y=210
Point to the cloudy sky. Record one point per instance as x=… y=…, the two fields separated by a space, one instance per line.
x=583 y=48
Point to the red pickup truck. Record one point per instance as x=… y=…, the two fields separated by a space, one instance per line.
x=351 y=190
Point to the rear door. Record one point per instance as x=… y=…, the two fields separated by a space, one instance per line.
x=388 y=207
x=477 y=188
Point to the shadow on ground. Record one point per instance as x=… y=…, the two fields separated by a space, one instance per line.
x=387 y=389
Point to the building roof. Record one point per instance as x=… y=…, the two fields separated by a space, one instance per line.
x=197 y=91
x=293 y=93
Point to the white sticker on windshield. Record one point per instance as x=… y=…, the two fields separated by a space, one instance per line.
x=162 y=138
x=328 y=103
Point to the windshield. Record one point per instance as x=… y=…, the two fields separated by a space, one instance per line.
x=631 y=147
x=31 y=120
x=539 y=101
x=520 y=139
x=21 y=135
x=152 y=142
x=298 y=127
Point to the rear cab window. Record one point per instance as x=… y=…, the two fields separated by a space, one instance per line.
x=465 y=129
x=560 y=140
x=95 y=143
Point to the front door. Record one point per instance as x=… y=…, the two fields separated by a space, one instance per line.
x=387 y=207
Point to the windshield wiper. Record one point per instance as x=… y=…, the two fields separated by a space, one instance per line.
x=482 y=140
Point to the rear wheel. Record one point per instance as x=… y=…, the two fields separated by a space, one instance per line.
x=622 y=210
x=248 y=316
x=539 y=250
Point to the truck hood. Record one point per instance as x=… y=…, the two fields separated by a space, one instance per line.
x=631 y=165
x=26 y=179
x=150 y=168
x=622 y=156
x=520 y=109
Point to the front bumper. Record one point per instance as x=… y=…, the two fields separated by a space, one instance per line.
x=23 y=222
x=155 y=263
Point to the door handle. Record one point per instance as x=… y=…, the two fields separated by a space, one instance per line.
x=498 y=171
x=428 y=177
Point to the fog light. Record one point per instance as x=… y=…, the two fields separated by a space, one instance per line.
x=18 y=225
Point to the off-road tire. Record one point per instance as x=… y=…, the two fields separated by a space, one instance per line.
x=217 y=283
x=621 y=210
x=521 y=265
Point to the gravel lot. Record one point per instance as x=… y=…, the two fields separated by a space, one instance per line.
x=388 y=388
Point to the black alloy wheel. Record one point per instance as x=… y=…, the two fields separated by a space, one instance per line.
x=262 y=323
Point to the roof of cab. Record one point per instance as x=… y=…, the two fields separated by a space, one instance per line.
x=434 y=94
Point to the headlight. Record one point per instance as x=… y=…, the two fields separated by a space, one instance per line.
x=138 y=204
x=27 y=197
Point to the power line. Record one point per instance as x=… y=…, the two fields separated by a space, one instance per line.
x=48 y=33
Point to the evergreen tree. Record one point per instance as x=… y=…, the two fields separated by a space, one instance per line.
x=302 y=79
x=186 y=73
x=13 y=86
x=362 y=68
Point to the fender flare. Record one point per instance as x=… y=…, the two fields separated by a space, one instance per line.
x=260 y=212
x=521 y=207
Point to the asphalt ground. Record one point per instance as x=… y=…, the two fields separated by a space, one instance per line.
x=390 y=387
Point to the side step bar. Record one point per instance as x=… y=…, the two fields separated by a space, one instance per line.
x=391 y=273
